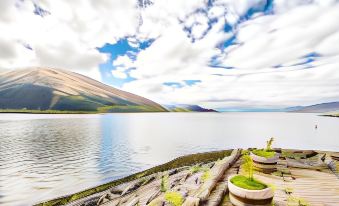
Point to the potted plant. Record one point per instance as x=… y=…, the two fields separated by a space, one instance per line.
x=265 y=159
x=245 y=190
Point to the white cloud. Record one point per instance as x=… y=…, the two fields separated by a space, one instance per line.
x=123 y=61
x=263 y=42
x=120 y=73
x=69 y=36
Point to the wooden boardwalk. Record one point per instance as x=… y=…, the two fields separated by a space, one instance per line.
x=296 y=183
x=311 y=185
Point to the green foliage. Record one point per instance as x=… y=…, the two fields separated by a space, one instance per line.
x=164 y=183
x=288 y=190
x=206 y=176
x=127 y=108
x=197 y=168
x=247 y=183
x=33 y=111
x=178 y=109
x=174 y=198
x=294 y=155
x=76 y=103
x=264 y=153
x=218 y=162
x=272 y=186
x=248 y=166
x=269 y=144
x=292 y=201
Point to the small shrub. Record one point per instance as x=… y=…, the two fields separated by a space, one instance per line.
x=206 y=176
x=264 y=153
x=288 y=190
x=197 y=168
x=269 y=144
x=272 y=186
x=292 y=201
x=164 y=183
x=246 y=183
x=174 y=198
x=245 y=152
x=248 y=166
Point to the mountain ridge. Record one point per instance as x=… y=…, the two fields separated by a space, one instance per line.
x=318 y=108
x=187 y=108
x=56 y=89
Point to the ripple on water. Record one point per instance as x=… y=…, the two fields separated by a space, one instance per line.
x=46 y=156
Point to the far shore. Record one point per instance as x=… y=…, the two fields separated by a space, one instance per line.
x=331 y=115
x=29 y=111
x=23 y=111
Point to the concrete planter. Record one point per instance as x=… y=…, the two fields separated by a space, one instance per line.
x=266 y=165
x=244 y=197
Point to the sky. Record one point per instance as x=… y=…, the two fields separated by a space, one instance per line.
x=217 y=54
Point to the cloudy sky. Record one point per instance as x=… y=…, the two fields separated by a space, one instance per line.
x=218 y=54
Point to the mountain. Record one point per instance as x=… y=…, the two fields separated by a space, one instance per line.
x=319 y=108
x=54 y=89
x=187 y=108
x=292 y=109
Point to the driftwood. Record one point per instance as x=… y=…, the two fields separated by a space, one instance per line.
x=217 y=172
x=191 y=201
x=159 y=201
x=133 y=202
x=132 y=187
x=303 y=164
x=331 y=164
x=217 y=195
x=152 y=196
x=112 y=203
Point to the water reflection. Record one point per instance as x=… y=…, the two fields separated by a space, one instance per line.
x=45 y=156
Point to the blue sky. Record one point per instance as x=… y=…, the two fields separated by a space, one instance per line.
x=215 y=53
x=122 y=46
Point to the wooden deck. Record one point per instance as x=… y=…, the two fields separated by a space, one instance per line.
x=299 y=181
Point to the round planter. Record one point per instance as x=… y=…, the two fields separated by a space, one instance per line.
x=244 y=197
x=266 y=165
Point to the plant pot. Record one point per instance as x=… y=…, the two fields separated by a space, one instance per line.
x=244 y=197
x=266 y=165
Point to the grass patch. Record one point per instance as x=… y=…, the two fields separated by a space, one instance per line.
x=263 y=153
x=128 y=108
x=186 y=160
x=198 y=168
x=32 y=111
x=246 y=183
x=86 y=110
x=330 y=115
x=178 y=109
x=164 y=183
x=206 y=176
x=174 y=198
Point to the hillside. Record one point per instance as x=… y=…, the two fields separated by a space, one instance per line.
x=61 y=90
x=319 y=108
x=187 y=108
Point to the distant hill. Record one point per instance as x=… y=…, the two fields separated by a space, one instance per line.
x=61 y=90
x=318 y=108
x=187 y=108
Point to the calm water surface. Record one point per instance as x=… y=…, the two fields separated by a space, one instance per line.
x=44 y=156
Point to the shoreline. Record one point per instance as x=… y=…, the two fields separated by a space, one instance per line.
x=330 y=115
x=183 y=163
x=9 y=111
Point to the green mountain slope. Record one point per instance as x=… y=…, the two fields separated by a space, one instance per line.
x=60 y=90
